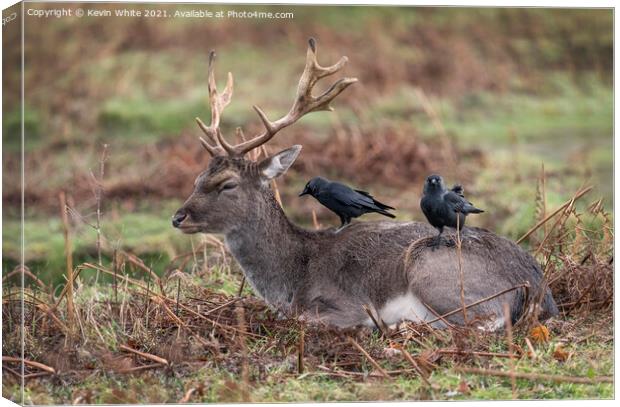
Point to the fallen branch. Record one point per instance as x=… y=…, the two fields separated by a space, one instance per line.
x=415 y=365
x=187 y=395
x=145 y=355
x=11 y=359
x=368 y=357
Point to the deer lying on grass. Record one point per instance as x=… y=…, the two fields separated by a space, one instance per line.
x=385 y=269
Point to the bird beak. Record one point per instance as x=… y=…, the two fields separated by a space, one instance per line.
x=304 y=192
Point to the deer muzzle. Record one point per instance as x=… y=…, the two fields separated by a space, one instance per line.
x=179 y=217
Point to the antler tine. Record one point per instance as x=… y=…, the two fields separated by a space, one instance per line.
x=217 y=103
x=304 y=101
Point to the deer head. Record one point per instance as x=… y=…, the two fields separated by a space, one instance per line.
x=235 y=189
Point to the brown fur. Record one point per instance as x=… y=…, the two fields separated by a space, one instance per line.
x=327 y=276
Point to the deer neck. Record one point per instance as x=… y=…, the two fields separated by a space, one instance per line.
x=268 y=247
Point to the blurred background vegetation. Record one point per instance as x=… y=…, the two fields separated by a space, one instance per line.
x=483 y=96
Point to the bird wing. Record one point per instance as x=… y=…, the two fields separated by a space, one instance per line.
x=456 y=202
x=350 y=197
x=379 y=204
x=459 y=204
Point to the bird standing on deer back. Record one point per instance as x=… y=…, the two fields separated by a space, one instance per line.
x=445 y=207
x=345 y=202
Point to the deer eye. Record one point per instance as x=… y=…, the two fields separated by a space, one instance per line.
x=226 y=186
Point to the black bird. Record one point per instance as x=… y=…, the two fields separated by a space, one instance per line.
x=441 y=206
x=345 y=202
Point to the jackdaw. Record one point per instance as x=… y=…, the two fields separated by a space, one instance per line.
x=345 y=202
x=441 y=206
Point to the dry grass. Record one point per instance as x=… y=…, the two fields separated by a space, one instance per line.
x=175 y=324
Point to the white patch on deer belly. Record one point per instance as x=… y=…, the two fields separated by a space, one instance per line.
x=406 y=307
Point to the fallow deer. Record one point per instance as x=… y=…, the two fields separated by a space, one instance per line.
x=381 y=268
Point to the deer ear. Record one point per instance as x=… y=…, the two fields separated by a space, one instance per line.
x=277 y=164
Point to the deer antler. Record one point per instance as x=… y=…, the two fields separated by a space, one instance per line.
x=218 y=104
x=304 y=103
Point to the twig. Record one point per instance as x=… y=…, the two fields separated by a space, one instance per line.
x=381 y=327
x=145 y=355
x=19 y=269
x=508 y=324
x=559 y=221
x=531 y=348
x=245 y=371
x=473 y=304
x=578 y=195
x=241 y=286
x=300 y=350
x=368 y=357
x=69 y=261
x=417 y=368
x=536 y=376
x=460 y=263
x=98 y=192
x=187 y=395
x=41 y=366
x=439 y=317
x=63 y=292
x=315 y=221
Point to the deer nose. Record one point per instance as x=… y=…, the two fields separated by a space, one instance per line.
x=178 y=218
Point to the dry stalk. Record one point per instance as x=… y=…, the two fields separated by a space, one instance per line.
x=508 y=322
x=531 y=348
x=473 y=304
x=151 y=357
x=300 y=350
x=241 y=286
x=41 y=366
x=23 y=269
x=380 y=325
x=245 y=370
x=415 y=365
x=459 y=255
x=69 y=262
x=188 y=394
x=378 y=368
x=315 y=221
x=98 y=194
x=534 y=228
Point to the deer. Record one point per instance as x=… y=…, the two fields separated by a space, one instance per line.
x=371 y=271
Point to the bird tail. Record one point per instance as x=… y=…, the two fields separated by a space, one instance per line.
x=384 y=213
x=473 y=209
x=382 y=205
